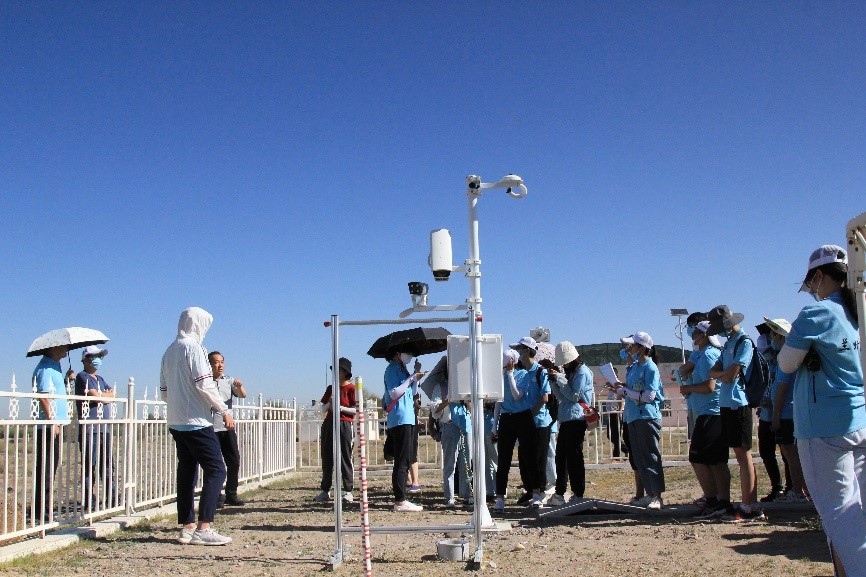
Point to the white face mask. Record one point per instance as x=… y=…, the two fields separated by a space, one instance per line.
x=405 y=358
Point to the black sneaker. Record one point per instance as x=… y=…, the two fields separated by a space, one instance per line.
x=710 y=510
x=524 y=499
x=774 y=495
x=741 y=516
x=221 y=501
x=234 y=501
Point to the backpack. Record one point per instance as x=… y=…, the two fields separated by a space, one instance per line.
x=552 y=401
x=759 y=375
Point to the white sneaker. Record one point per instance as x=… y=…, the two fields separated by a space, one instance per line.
x=348 y=497
x=537 y=500
x=407 y=507
x=322 y=497
x=209 y=537
x=499 y=505
x=451 y=504
x=556 y=500
x=655 y=503
x=550 y=490
x=185 y=535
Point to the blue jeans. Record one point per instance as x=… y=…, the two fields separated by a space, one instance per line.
x=835 y=472
x=491 y=453
x=194 y=448
x=455 y=454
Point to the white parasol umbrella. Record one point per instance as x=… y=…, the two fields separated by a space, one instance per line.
x=545 y=351
x=72 y=337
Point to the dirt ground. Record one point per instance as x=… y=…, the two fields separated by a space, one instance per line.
x=281 y=532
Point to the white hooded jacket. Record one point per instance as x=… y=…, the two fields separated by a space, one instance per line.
x=186 y=381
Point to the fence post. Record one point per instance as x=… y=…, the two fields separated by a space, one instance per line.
x=129 y=474
x=293 y=432
x=261 y=437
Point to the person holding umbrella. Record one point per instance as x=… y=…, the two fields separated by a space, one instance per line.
x=400 y=391
x=48 y=380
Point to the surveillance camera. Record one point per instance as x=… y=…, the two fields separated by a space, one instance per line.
x=473 y=181
x=440 y=254
x=417 y=288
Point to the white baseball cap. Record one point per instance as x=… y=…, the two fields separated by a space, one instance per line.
x=639 y=338
x=527 y=342
x=704 y=326
x=93 y=351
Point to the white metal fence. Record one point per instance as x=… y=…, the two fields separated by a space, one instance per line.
x=122 y=460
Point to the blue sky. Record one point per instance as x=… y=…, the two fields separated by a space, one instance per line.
x=277 y=163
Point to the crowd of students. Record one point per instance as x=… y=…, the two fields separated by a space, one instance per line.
x=813 y=409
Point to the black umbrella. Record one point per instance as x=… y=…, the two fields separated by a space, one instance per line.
x=418 y=341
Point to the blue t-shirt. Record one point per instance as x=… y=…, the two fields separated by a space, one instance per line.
x=704 y=403
x=403 y=412
x=534 y=392
x=787 y=409
x=509 y=404
x=828 y=402
x=643 y=376
x=733 y=395
x=49 y=380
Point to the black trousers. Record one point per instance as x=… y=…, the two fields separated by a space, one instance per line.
x=198 y=448
x=614 y=428
x=232 y=457
x=327 y=451
x=47 y=462
x=569 y=457
x=542 y=449
x=404 y=440
x=514 y=427
x=767 y=451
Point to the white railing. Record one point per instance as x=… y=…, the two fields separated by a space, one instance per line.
x=119 y=462
x=124 y=460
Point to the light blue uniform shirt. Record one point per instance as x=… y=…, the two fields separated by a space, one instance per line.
x=704 y=403
x=643 y=376
x=733 y=395
x=572 y=390
x=403 y=412
x=787 y=411
x=534 y=393
x=766 y=413
x=509 y=404
x=49 y=379
x=829 y=402
x=461 y=417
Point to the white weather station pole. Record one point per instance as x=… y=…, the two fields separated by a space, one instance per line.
x=441 y=265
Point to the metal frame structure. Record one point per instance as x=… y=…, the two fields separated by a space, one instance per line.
x=472 y=267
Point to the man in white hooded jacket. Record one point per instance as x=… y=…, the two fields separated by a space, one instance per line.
x=186 y=385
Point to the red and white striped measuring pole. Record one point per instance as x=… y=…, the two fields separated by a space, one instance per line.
x=362 y=453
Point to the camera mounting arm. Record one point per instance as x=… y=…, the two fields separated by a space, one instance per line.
x=509 y=182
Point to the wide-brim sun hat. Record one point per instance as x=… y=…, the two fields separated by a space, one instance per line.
x=565 y=353
x=824 y=254
x=780 y=326
x=721 y=318
x=640 y=338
